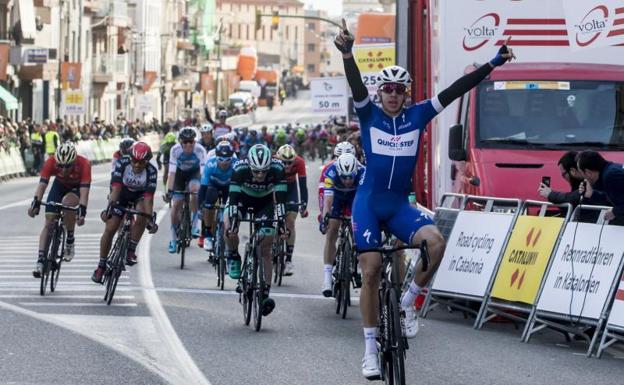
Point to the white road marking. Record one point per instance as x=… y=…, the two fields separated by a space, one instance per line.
x=66 y=296
x=79 y=304
x=163 y=325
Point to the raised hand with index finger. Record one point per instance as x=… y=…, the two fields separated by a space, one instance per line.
x=504 y=55
x=344 y=40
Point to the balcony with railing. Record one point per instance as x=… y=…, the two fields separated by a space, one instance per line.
x=109 y=67
x=115 y=12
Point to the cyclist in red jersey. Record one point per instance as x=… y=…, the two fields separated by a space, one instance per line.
x=294 y=166
x=124 y=149
x=71 y=188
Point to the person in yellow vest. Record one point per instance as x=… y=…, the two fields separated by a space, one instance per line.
x=36 y=142
x=51 y=140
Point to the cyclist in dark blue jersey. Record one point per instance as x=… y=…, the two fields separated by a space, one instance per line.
x=390 y=135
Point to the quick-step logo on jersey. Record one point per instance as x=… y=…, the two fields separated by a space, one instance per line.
x=405 y=144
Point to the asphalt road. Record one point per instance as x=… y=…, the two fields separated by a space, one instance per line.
x=168 y=325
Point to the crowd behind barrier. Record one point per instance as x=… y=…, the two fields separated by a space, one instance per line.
x=533 y=262
x=23 y=145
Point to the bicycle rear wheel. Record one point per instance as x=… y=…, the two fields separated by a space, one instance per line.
x=259 y=291
x=247 y=290
x=280 y=260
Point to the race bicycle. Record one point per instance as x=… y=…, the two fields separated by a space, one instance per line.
x=344 y=268
x=116 y=260
x=391 y=341
x=252 y=284
x=184 y=232
x=217 y=254
x=54 y=249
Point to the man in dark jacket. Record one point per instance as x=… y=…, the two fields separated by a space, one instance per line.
x=602 y=176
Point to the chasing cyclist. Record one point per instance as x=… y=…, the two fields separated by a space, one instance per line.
x=215 y=184
x=341 y=148
x=124 y=150
x=70 y=188
x=186 y=161
x=221 y=128
x=165 y=149
x=255 y=182
x=133 y=183
x=382 y=199
x=341 y=181
x=297 y=194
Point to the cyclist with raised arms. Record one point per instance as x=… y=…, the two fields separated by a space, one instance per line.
x=221 y=128
x=296 y=179
x=186 y=161
x=258 y=182
x=215 y=184
x=206 y=140
x=341 y=181
x=133 y=182
x=382 y=199
x=71 y=188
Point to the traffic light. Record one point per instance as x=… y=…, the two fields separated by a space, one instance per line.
x=258 y=24
x=275 y=20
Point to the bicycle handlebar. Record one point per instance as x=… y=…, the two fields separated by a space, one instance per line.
x=130 y=210
x=424 y=251
x=60 y=205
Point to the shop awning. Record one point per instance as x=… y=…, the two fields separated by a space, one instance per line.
x=10 y=102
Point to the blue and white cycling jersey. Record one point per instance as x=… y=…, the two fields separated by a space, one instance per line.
x=215 y=176
x=187 y=163
x=333 y=185
x=391 y=144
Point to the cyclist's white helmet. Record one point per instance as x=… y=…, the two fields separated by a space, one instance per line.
x=259 y=157
x=206 y=127
x=346 y=165
x=394 y=74
x=343 y=148
x=66 y=153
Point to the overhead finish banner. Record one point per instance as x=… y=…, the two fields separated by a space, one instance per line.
x=472 y=251
x=595 y=23
x=526 y=257
x=583 y=270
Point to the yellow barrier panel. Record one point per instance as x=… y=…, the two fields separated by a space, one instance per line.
x=525 y=259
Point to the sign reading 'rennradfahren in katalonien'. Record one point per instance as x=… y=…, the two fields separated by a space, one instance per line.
x=472 y=252
x=583 y=270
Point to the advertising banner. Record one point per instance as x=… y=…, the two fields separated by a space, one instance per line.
x=617 y=311
x=472 y=252
x=526 y=257
x=583 y=270
x=329 y=95
x=74 y=103
x=370 y=59
x=595 y=23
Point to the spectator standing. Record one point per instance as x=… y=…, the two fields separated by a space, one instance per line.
x=604 y=176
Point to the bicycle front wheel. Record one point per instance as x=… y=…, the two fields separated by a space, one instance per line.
x=58 y=261
x=259 y=291
x=396 y=355
x=247 y=290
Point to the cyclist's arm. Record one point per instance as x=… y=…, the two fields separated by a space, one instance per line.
x=303 y=184
x=234 y=195
x=463 y=85
x=152 y=184
x=47 y=171
x=328 y=195
x=173 y=164
x=354 y=78
x=85 y=181
x=281 y=187
x=205 y=181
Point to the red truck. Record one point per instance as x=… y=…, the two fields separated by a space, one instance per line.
x=502 y=137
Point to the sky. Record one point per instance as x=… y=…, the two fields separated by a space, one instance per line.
x=333 y=7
